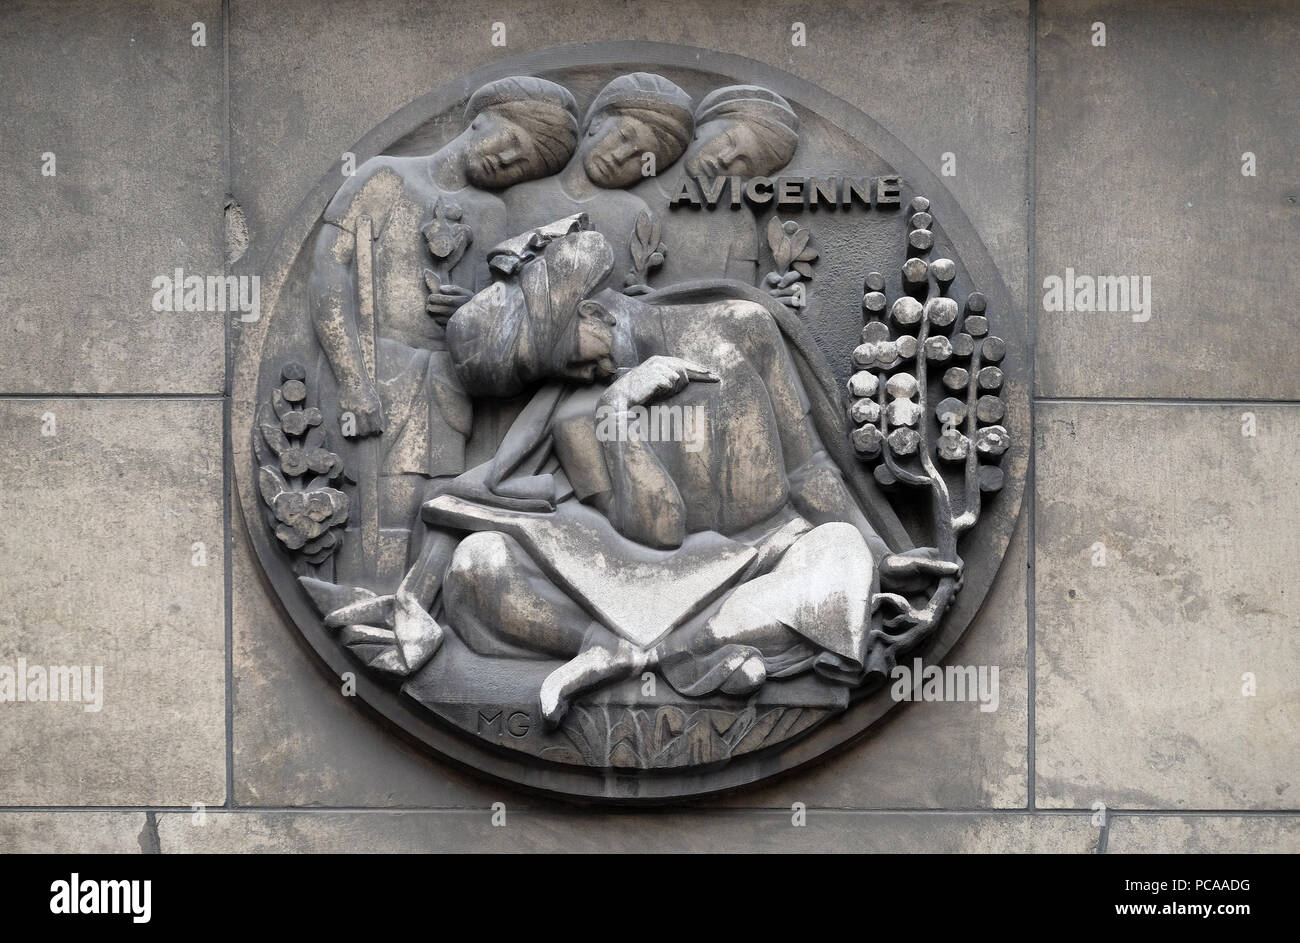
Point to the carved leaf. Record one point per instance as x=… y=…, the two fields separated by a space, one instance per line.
x=282 y=407
x=270 y=483
x=775 y=235
x=461 y=239
x=270 y=429
x=799 y=242
x=324 y=542
x=260 y=451
x=644 y=227
x=646 y=248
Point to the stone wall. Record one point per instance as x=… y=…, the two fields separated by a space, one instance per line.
x=1150 y=583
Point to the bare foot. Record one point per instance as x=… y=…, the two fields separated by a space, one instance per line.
x=588 y=669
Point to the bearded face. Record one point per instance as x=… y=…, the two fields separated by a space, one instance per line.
x=723 y=148
x=500 y=153
x=614 y=148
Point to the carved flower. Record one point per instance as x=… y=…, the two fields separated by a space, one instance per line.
x=293 y=461
x=881 y=355
x=903 y=412
x=293 y=390
x=297 y=460
x=295 y=470
x=992 y=441
x=863 y=384
x=876 y=352
x=866 y=440
x=306 y=515
x=298 y=421
x=952 y=445
x=321 y=503
x=903 y=441
x=324 y=462
x=790 y=249
x=446 y=236
x=864 y=410
x=647 y=248
x=902 y=386
x=881 y=352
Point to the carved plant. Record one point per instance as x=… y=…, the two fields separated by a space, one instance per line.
x=909 y=438
x=790 y=247
x=669 y=736
x=647 y=248
x=447 y=238
x=296 y=471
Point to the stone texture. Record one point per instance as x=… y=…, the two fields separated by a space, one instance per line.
x=74 y=833
x=927 y=64
x=1204 y=834
x=937 y=754
x=345 y=757
x=96 y=550
x=1139 y=166
x=1140 y=662
x=289 y=126
x=132 y=112
x=299 y=742
x=597 y=832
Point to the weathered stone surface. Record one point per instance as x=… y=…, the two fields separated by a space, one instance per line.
x=299 y=742
x=1204 y=834
x=590 y=832
x=75 y=833
x=132 y=113
x=1140 y=157
x=644 y=536
x=1139 y=671
x=290 y=125
x=1141 y=662
x=937 y=754
x=97 y=550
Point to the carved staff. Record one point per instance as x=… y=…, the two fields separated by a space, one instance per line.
x=368 y=472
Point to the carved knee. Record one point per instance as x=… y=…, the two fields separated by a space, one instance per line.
x=476 y=560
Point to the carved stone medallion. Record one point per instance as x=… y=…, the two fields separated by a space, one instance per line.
x=625 y=417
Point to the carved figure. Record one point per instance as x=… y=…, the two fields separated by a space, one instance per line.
x=637 y=121
x=747 y=559
x=390 y=228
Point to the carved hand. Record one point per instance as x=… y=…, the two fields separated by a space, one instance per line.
x=915 y=569
x=785 y=288
x=656 y=378
x=444 y=300
x=363 y=405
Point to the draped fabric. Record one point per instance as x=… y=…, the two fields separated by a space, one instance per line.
x=513 y=478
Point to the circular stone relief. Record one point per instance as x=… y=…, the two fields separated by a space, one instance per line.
x=630 y=422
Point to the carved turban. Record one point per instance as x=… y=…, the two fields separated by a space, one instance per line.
x=775 y=124
x=516 y=332
x=653 y=100
x=546 y=111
